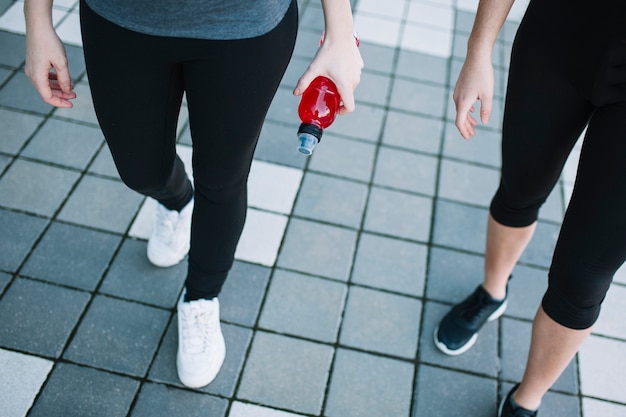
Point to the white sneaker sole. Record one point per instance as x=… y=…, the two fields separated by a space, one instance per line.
x=199 y=381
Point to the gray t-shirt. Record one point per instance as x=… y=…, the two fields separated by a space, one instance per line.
x=200 y=19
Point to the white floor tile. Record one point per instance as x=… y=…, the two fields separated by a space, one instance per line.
x=596 y=408
x=261 y=237
x=69 y=30
x=620 y=275
x=602 y=369
x=377 y=30
x=248 y=410
x=273 y=187
x=13 y=19
x=427 y=41
x=389 y=8
x=467 y=5
x=20 y=381
x=142 y=226
x=611 y=321
x=518 y=10
x=431 y=15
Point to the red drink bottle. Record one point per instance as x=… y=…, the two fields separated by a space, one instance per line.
x=317 y=110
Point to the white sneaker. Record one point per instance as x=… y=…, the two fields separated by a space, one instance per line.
x=201 y=347
x=169 y=241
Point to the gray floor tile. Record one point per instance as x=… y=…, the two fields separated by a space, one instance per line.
x=467 y=183
x=602 y=372
x=541 y=247
x=18 y=93
x=241 y=296
x=72 y=256
x=31 y=329
x=4 y=162
x=347 y=158
x=364 y=123
x=12 y=46
x=418 y=97
x=17 y=127
x=377 y=57
x=21 y=379
x=240 y=409
x=284 y=109
x=19 y=232
x=102 y=203
x=422 y=67
x=459 y=226
x=398 y=214
x=364 y=385
x=82 y=109
x=611 y=322
x=406 y=171
x=296 y=371
x=126 y=334
x=311 y=16
x=295 y=69
x=307 y=43
x=56 y=137
x=526 y=290
x=103 y=164
x=278 y=144
x=553 y=209
x=156 y=400
x=5 y=74
x=441 y=392
x=514 y=349
x=464 y=21
x=304 y=306
x=555 y=404
x=452 y=275
x=76 y=391
x=331 y=200
x=4 y=281
x=318 y=249
x=133 y=277
x=483 y=148
x=390 y=264
x=237 y=341
x=381 y=322
x=373 y=89
x=35 y=187
x=482 y=358
x=413 y=132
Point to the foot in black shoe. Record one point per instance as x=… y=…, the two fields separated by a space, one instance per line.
x=458 y=330
x=509 y=408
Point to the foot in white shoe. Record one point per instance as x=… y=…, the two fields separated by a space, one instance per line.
x=169 y=241
x=201 y=347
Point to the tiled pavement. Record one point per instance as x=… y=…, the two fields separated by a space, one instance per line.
x=348 y=258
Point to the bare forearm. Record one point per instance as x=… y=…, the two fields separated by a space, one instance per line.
x=490 y=17
x=38 y=14
x=338 y=20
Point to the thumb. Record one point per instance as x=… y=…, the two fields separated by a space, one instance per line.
x=485 y=109
x=303 y=82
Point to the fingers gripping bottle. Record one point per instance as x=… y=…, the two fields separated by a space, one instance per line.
x=317 y=110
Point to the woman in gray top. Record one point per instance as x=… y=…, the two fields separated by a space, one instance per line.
x=228 y=58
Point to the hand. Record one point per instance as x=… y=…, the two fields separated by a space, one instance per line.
x=475 y=83
x=47 y=68
x=339 y=60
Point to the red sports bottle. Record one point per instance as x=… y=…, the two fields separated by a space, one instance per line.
x=317 y=110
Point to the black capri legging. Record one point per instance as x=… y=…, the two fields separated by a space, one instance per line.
x=137 y=83
x=560 y=83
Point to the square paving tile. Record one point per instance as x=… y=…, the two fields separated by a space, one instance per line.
x=261 y=237
x=285 y=372
x=442 y=392
x=4 y=162
x=126 y=334
x=18 y=93
x=42 y=193
x=4 y=281
x=102 y=203
x=13 y=46
x=390 y=264
x=483 y=148
x=414 y=132
x=460 y=226
x=72 y=256
x=381 y=322
x=593 y=408
x=303 y=306
x=346 y=158
x=19 y=232
x=453 y=275
x=80 y=391
x=239 y=409
x=526 y=290
x=423 y=67
x=156 y=400
x=373 y=88
x=514 y=349
x=611 y=322
x=602 y=372
x=17 y=128
x=273 y=187
x=55 y=137
x=331 y=200
x=541 y=247
x=406 y=171
x=425 y=99
x=31 y=329
x=398 y=214
x=21 y=379
x=103 y=164
x=318 y=249
x=364 y=385
x=278 y=144
x=467 y=183
x=82 y=109
x=133 y=277
x=377 y=57
x=364 y=123
x=243 y=291
x=237 y=341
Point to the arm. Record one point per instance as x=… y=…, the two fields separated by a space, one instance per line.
x=338 y=58
x=44 y=52
x=476 y=78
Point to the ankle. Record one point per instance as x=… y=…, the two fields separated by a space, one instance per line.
x=524 y=400
x=495 y=292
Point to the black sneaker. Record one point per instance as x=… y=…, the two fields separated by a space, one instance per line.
x=458 y=330
x=508 y=408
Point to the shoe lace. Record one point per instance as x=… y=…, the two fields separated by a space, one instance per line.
x=475 y=308
x=197 y=327
x=165 y=223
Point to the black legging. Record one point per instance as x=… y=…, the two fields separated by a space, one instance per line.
x=137 y=83
x=563 y=78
